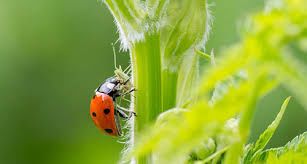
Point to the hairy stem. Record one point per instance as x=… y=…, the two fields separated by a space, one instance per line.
x=146 y=61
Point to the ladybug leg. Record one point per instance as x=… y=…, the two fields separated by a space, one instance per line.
x=132 y=90
x=123 y=110
x=122 y=114
x=118 y=122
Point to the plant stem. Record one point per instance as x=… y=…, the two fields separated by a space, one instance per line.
x=146 y=62
x=169 y=89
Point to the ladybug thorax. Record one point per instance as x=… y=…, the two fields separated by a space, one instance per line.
x=106 y=87
x=109 y=87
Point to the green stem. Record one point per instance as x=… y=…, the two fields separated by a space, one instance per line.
x=169 y=89
x=146 y=62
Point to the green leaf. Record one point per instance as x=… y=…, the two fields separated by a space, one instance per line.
x=161 y=36
x=184 y=29
x=199 y=122
x=265 y=137
x=268 y=133
x=129 y=17
x=293 y=152
x=188 y=78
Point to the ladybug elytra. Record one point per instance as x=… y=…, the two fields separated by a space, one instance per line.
x=104 y=110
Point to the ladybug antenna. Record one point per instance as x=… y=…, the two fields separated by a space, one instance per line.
x=114 y=55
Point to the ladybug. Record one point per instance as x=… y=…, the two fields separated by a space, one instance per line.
x=104 y=111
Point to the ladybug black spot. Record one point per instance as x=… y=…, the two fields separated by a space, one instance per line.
x=94 y=96
x=94 y=114
x=106 y=111
x=108 y=130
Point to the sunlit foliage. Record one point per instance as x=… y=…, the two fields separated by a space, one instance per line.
x=211 y=121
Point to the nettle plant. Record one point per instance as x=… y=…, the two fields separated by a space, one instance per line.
x=186 y=118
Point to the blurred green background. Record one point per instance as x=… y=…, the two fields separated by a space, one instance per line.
x=53 y=54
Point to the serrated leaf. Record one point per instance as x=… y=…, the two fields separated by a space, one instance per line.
x=254 y=149
x=201 y=121
x=294 y=151
x=268 y=133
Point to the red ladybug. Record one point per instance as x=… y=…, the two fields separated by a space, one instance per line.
x=103 y=109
